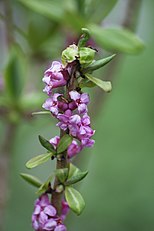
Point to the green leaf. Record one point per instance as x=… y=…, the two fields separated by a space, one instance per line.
x=43 y=188
x=97 y=64
x=41 y=113
x=31 y=179
x=46 y=144
x=117 y=39
x=105 y=85
x=14 y=74
x=37 y=160
x=86 y=83
x=64 y=142
x=73 y=170
x=69 y=54
x=76 y=177
x=52 y=9
x=62 y=174
x=86 y=55
x=74 y=200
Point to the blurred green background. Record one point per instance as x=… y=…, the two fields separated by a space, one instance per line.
x=119 y=189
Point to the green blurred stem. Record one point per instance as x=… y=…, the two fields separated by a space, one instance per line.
x=4 y=168
x=8 y=23
x=15 y=27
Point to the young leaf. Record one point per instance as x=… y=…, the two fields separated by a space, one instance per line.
x=76 y=178
x=74 y=200
x=86 y=55
x=117 y=39
x=64 y=142
x=43 y=188
x=46 y=144
x=37 y=160
x=31 y=179
x=105 y=85
x=73 y=170
x=97 y=64
x=62 y=174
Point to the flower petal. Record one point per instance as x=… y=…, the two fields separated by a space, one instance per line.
x=60 y=228
x=50 y=224
x=50 y=210
x=74 y=95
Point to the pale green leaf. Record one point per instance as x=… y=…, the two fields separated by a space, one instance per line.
x=104 y=85
x=31 y=179
x=76 y=177
x=97 y=64
x=74 y=200
x=117 y=39
x=37 y=160
x=62 y=174
x=73 y=170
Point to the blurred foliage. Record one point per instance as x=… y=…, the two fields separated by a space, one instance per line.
x=119 y=187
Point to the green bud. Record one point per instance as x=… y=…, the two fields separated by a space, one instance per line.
x=69 y=54
x=86 y=56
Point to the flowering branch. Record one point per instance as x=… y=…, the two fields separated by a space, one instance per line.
x=71 y=111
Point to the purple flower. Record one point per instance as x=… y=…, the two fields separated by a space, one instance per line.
x=65 y=209
x=55 y=141
x=54 y=77
x=64 y=119
x=85 y=131
x=51 y=104
x=44 y=217
x=73 y=149
x=60 y=228
x=81 y=100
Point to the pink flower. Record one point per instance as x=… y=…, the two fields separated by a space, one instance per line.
x=55 y=141
x=73 y=149
x=81 y=100
x=45 y=216
x=51 y=104
x=54 y=77
x=64 y=119
x=65 y=209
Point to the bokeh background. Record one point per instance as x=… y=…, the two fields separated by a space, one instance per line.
x=119 y=189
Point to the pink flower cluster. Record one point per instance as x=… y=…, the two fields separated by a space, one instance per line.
x=44 y=217
x=71 y=113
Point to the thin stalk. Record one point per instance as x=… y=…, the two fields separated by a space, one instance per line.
x=62 y=160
